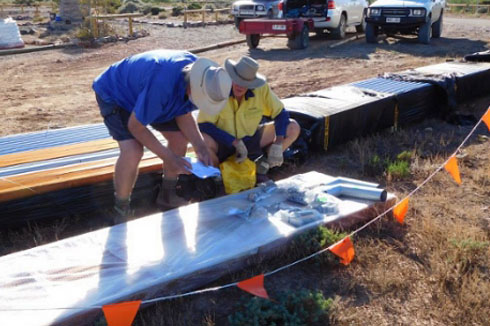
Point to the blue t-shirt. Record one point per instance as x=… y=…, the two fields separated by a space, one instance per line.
x=151 y=84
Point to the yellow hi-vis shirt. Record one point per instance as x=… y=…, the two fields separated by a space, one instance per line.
x=244 y=119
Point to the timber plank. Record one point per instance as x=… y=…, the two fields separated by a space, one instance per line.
x=26 y=185
x=57 y=152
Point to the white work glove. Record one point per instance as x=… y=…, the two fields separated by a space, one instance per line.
x=274 y=155
x=241 y=151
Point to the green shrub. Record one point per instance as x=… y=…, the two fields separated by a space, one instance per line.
x=24 y=2
x=155 y=11
x=404 y=156
x=399 y=169
x=146 y=9
x=194 y=6
x=315 y=240
x=302 y=307
x=177 y=11
x=129 y=7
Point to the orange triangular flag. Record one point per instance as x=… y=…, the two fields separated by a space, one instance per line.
x=452 y=167
x=400 y=210
x=254 y=285
x=486 y=118
x=121 y=314
x=344 y=249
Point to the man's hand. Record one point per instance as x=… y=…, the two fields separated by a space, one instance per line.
x=274 y=155
x=178 y=164
x=241 y=150
x=202 y=154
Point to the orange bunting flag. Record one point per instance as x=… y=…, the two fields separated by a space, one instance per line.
x=344 y=249
x=486 y=118
x=400 y=210
x=255 y=286
x=121 y=314
x=452 y=167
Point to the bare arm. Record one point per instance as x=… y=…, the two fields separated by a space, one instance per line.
x=147 y=139
x=188 y=127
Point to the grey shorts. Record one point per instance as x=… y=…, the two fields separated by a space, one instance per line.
x=116 y=120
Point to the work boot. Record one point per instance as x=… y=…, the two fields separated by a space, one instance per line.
x=261 y=169
x=167 y=196
x=120 y=211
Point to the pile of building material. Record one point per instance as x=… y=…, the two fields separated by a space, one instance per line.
x=69 y=171
x=175 y=251
x=10 y=35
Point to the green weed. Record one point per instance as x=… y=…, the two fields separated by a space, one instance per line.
x=302 y=307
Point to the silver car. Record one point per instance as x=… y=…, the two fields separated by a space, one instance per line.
x=254 y=9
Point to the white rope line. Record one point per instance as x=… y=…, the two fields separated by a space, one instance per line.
x=216 y=288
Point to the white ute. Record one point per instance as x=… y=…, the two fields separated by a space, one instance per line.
x=421 y=17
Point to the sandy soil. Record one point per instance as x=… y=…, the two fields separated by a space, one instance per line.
x=52 y=89
x=400 y=274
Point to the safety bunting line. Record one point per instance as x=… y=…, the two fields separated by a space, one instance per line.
x=123 y=313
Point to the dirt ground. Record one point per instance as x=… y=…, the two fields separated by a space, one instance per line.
x=421 y=273
x=52 y=89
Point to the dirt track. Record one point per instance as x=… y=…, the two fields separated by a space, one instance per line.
x=52 y=89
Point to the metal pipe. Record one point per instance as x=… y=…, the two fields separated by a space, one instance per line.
x=353 y=182
x=356 y=191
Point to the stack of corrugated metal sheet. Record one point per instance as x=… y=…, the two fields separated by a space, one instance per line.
x=69 y=171
x=64 y=172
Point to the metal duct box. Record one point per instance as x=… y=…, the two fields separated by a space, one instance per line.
x=472 y=79
x=338 y=114
x=414 y=100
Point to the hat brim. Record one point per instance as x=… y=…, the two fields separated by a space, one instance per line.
x=230 y=69
x=198 y=95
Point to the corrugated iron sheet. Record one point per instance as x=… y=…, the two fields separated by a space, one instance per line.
x=52 y=138
x=389 y=86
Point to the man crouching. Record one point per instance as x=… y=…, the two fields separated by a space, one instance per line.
x=238 y=128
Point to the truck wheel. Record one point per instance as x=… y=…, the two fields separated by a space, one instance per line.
x=437 y=28
x=425 y=32
x=371 y=33
x=301 y=40
x=253 y=40
x=362 y=26
x=237 y=21
x=339 y=32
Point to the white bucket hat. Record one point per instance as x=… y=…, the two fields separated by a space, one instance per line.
x=244 y=72
x=210 y=86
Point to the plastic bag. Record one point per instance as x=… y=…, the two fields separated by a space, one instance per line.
x=237 y=176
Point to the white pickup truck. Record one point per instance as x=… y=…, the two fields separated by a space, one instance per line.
x=423 y=17
x=331 y=15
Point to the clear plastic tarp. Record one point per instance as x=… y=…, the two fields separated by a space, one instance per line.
x=170 y=252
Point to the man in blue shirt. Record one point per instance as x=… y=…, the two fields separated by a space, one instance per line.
x=159 y=88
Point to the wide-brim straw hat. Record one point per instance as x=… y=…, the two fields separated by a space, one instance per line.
x=210 y=86
x=244 y=72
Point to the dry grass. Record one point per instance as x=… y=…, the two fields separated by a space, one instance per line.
x=433 y=270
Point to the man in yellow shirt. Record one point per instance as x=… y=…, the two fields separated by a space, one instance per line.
x=238 y=128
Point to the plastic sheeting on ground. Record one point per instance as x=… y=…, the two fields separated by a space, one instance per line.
x=9 y=34
x=160 y=254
